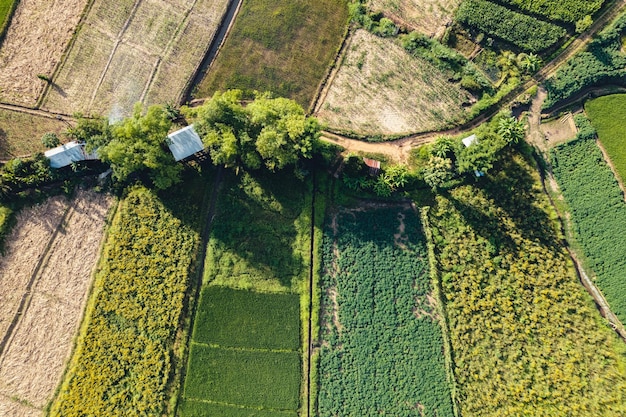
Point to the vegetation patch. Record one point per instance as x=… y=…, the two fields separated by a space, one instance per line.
x=427 y=16
x=607 y=115
x=602 y=62
x=243 y=377
x=192 y=408
x=598 y=213
x=20 y=133
x=162 y=45
x=287 y=46
x=6 y=10
x=374 y=91
x=125 y=353
x=569 y=11
x=381 y=345
x=526 y=338
x=525 y=32
x=233 y=318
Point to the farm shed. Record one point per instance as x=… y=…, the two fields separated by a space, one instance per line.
x=373 y=165
x=66 y=154
x=184 y=142
x=470 y=140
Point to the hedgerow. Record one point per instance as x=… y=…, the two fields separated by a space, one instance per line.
x=381 y=349
x=250 y=378
x=124 y=355
x=523 y=31
x=598 y=215
x=527 y=341
x=603 y=61
x=234 y=318
x=569 y=11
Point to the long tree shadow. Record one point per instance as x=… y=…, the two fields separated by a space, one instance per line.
x=262 y=219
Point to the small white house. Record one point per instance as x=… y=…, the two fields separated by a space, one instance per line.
x=470 y=140
x=66 y=154
x=184 y=142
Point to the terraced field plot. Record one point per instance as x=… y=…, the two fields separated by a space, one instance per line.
x=427 y=16
x=134 y=50
x=282 y=46
x=34 y=43
x=382 y=345
x=244 y=354
x=382 y=89
x=49 y=264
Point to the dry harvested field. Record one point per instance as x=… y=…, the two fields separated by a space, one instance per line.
x=36 y=38
x=20 y=133
x=559 y=130
x=428 y=16
x=134 y=50
x=39 y=345
x=381 y=89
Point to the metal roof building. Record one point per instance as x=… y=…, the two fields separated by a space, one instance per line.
x=470 y=140
x=66 y=154
x=184 y=142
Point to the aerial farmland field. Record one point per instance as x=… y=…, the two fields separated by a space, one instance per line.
x=428 y=16
x=607 y=114
x=382 y=89
x=49 y=263
x=20 y=133
x=121 y=64
x=34 y=44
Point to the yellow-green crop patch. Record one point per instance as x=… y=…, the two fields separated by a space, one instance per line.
x=283 y=46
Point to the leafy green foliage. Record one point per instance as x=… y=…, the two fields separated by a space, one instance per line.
x=272 y=132
x=93 y=132
x=598 y=214
x=381 y=349
x=234 y=318
x=261 y=234
x=191 y=408
x=437 y=171
x=523 y=31
x=243 y=377
x=124 y=357
x=287 y=44
x=21 y=173
x=50 y=140
x=607 y=115
x=137 y=146
x=603 y=61
x=564 y=10
x=511 y=129
x=526 y=338
x=584 y=126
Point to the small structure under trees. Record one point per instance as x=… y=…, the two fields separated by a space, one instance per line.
x=373 y=166
x=184 y=143
x=470 y=140
x=66 y=154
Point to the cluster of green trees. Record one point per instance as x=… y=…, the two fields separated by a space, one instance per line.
x=382 y=347
x=125 y=356
x=392 y=178
x=525 y=337
x=570 y=11
x=525 y=32
x=448 y=157
x=598 y=213
x=602 y=62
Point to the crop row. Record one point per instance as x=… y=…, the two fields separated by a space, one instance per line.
x=124 y=355
x=523 y=31
x=381 y=338
x=525 y=337
x=569 y=11
x=602 y=62
x=598 y=215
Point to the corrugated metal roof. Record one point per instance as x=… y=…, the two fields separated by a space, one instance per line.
x=372 y=163
x=470 y=140
x=184 y=143
x=64 y=155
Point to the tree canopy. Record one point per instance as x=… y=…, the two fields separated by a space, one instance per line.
x=270 y=132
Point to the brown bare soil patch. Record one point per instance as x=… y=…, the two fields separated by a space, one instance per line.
x=34 y=44
x=134 y=51
x=381 y=89
x=35 y=358
x=559 y=131
x=427 y=16
x=11 y=408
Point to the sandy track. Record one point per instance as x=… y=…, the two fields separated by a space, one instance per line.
x=33 y=362
x=34 y=43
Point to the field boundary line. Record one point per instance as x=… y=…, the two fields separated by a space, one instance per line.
x=29 y=291
x=219 y=37
x=117 y=43
x=242 y=348
x=243 y=407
